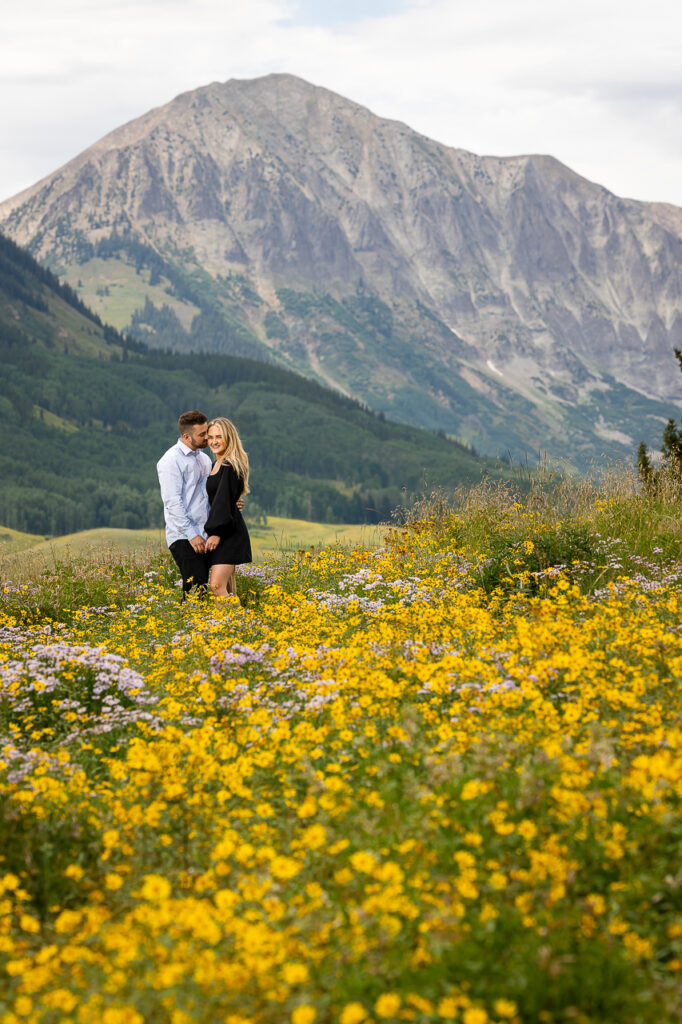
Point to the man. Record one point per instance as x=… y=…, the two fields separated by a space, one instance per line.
x=182 y=476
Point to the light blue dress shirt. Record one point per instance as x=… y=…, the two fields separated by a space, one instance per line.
x=182 y=476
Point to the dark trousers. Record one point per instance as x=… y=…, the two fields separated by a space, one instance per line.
x=193 y=566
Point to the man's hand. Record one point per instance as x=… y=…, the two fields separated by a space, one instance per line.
x=212 y=543
x=198 y=544
x=240 y=504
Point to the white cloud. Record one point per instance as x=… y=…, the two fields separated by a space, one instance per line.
x=597 y=83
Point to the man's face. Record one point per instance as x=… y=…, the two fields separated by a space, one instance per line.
x=196 y=436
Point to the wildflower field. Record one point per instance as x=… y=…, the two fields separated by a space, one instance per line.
x=437 y=781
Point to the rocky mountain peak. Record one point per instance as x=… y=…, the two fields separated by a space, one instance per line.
x=510 y=282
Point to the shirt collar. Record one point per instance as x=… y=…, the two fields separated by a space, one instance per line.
x=185 y=449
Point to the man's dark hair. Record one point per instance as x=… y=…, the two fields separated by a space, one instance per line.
x=191 y=419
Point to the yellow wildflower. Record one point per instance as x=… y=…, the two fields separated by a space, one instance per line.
x=304 y=1014
x=155 y=888
x=352 y=1013
x=387 y=1005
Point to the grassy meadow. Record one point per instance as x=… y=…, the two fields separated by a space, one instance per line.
x=14 y=541
x=278 y=535
x=433 y=775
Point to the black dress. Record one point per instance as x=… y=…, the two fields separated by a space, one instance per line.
x=224 y=489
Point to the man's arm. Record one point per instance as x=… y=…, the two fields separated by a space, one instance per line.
x=170 y=481
x=208 y=466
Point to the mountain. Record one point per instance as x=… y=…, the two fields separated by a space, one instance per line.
x=506 y=301
x=88 y=413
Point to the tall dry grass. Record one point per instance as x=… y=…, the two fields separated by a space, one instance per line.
x=544 y=519
x=40 y=588
x=611 y=499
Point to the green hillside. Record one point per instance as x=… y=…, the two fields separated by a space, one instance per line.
x=88 y=414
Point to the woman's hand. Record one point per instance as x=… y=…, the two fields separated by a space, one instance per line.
x=212 y=543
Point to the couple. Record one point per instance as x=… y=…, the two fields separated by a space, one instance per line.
x=202 y=503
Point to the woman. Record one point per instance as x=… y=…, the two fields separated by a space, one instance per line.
x=228 y=543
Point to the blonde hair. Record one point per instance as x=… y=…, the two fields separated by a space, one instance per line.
x=234 y=452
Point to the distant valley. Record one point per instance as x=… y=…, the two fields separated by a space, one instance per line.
x=90 y=413
x=505 y=301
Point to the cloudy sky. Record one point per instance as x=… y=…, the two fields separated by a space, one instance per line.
x=596 y=83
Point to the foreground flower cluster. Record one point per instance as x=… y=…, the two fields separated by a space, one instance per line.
x=376 y=792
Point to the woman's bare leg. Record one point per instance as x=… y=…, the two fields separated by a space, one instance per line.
x=222 y=581
x=232 y=587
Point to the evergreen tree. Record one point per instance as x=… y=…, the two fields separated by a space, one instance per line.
x=671 y=449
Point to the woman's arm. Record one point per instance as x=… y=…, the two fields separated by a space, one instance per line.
x=220 y=520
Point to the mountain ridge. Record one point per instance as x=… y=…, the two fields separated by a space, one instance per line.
x=460 y=288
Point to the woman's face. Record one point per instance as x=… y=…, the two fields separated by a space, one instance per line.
x=215 y=441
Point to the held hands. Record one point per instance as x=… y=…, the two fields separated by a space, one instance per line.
x=240 y=504
x=198 y=544
x=212 y=543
